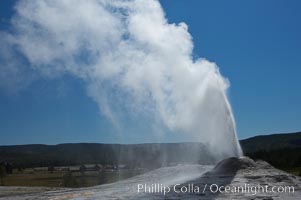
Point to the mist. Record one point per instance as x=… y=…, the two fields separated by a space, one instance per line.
x=132 y=60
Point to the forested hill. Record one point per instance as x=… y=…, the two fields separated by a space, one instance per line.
x=134 y=155
x=281 y=150
x=271 y=142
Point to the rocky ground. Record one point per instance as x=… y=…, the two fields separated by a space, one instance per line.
x=247 y=174
x=240 y=177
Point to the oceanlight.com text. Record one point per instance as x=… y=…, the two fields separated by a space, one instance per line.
x=158 y=188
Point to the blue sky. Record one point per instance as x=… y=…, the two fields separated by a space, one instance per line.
x=256 y=45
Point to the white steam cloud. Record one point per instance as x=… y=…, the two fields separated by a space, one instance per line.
x=130 y=58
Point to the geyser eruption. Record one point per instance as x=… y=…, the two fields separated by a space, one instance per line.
x=132 y=61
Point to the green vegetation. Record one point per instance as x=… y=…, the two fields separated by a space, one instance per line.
x=148 y=156
x=2 y=174
x=272 y=142
x=65 y=179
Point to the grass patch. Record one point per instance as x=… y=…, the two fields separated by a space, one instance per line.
x=67 y=179
x=293 y=170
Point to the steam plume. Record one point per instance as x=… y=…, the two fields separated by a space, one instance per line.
x=125 y=51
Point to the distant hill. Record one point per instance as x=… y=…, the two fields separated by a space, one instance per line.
x=280 y=150
x=134 y=155
x=271 y=142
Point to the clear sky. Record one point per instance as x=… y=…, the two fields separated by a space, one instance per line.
x=256 y=44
